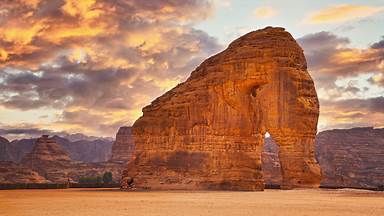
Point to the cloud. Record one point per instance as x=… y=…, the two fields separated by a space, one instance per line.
x=341 y=13
x=99 y=62
x=353 y=113
x=31 y=131
x=378 y=45
x=330 y=58
x=343 y=77
x=265 y=12
x=377 y=79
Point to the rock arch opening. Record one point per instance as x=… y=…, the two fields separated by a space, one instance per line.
x=270 y=163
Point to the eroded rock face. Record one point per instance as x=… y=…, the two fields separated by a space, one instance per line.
x=48 y=159
x=351 y=157
x=123 y=146
x=4 y=152
x=208 y=132
x=11 y=172
x=53 y=163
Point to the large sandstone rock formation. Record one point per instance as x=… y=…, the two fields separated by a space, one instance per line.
x=123 y=146
x=351 y=157
x=208 y=132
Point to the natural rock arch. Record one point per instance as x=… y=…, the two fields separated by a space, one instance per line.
x=208 y=132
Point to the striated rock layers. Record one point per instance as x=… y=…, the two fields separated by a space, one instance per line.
x=123 y=146
x=11 y=172
x=351 y=157
x=208 y=132
x=50 y=161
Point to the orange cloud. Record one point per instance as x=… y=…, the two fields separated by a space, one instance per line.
x=96 y=63
x=341 y=13
x=85 y=9
x=21 y=34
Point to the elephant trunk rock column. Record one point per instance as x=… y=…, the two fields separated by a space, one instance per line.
x=208 y=132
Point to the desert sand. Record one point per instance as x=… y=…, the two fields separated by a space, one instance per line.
x=94 y=202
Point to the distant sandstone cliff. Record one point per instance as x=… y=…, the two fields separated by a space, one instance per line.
x=49 y=162
x=124 y=145
x=11 y=172
x=352 y=157
x=348 y=158
x=96 y=150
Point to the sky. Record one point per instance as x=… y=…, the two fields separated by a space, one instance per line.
x=90 y=66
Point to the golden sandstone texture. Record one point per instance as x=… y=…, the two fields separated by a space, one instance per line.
x=208 y=132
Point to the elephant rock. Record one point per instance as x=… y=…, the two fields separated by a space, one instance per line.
x=208 y=132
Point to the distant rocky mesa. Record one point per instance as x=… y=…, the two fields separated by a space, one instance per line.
x=96 y=150
x=47 y=162
x=351 y=158
x=348 y=158
x=208 y=132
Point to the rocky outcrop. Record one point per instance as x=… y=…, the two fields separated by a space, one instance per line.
x=208 y=132
x=48 y=159
x=123 y=146
x=17 y=149
x=53 y=163
x=11 y=173
x=95 y=150
x=351 y=157
x=4 y=152
x=98 y=150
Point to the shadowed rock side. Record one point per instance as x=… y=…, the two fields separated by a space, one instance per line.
x=351 y=157
x=4 y=153
x=123 y=147
x=208 y=132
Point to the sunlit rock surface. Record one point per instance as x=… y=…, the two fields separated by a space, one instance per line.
x=208 y=132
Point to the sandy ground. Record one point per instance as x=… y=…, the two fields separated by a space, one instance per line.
x=94 y=202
